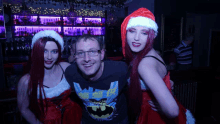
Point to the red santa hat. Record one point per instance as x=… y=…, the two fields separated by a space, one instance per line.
x=48 y=33
x=140 y=17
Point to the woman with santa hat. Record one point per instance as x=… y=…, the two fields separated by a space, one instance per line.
x=149 y=80
x=43 y=93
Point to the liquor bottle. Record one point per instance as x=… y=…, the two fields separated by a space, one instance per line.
x=86 y=31
x=78 y=32
x=6 y=49
x=17 y=47
x=23 y=49
x=83 y=21
x=12 y=48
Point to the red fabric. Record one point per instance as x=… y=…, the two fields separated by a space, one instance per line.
x=72 y=111
x=149 y=116
x=144 y=12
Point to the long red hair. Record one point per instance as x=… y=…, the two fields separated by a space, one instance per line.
x=135 y=92
x=37 y=75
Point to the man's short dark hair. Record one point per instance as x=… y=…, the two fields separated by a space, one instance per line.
x=89 y=36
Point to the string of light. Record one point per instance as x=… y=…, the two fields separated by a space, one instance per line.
x=51 y=11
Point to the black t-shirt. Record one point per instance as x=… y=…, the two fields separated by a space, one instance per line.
x=103 y=100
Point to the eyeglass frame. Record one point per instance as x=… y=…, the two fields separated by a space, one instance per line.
x=84 y=53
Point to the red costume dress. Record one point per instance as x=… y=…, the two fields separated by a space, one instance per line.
x=60 y=109
x=149 y=116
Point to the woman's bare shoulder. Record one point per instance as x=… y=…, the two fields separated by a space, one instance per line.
x=23 y=82
x=64 y=65
x=149 y=63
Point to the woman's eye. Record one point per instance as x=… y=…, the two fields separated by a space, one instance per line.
x=131 y=30
x=45 y=51
x=54 y=51
x=145 y=32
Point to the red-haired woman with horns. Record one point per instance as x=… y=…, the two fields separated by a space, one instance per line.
x=43 y=93
x=149 y=81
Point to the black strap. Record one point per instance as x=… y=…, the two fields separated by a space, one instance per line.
x=158 y=60
x=62 y=70
x=61 y=77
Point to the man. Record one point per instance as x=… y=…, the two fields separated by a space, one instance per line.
x=184 y=54
x=71 y=58
x=99 y=84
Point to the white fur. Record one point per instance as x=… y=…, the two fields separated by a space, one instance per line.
x=48 y=33
x=189 y=117
x=55 y=91
x=143 y=21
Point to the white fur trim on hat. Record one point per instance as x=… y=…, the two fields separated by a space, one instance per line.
x=142 y=21
x=189 y=117
x=48 y=33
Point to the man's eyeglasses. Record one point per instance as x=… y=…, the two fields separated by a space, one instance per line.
x=91 y=53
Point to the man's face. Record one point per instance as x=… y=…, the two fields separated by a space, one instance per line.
x=89 y=65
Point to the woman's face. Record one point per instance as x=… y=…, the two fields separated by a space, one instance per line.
x=137 y=38
x=50 y=54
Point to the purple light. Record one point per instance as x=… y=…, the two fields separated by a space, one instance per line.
x=2 y=29
x=75 y=31
x=80 y=20
x=33 y=18
x=35 y=29
x=1 y=18
x=45 y=19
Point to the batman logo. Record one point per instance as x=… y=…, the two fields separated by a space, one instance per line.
x=101 y=110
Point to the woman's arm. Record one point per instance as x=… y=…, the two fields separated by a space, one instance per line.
x=23 y=101
x=148 y=72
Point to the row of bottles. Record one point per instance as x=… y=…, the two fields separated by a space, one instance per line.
x=82 y=21
x=77 y=31
x=52 y=20
x=68 y=31
x=25 y=20
x=47 y=20
x=32 y=30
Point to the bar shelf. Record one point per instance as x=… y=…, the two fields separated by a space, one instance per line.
x=83 y=21
x=50 y=20
x=25 y=20
x=32 y=30
x=77 y=31
x=76 y=27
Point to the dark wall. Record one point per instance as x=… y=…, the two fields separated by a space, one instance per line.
x=202 y=14
x=204 y=24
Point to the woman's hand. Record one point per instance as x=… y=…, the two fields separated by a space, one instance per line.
x=154 y=105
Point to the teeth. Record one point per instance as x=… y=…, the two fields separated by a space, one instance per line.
x=87 y=65
x=136 y=43
x=94 y=108
x=103 y=108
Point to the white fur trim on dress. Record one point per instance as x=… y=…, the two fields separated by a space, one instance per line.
x=143 y=21
x=48 y=33
x=55 y=91
x=189 y=117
